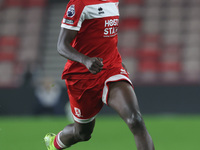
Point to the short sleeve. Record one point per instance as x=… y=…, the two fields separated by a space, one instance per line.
x=74 y=15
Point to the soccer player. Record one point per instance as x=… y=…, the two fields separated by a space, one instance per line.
x=94 y=73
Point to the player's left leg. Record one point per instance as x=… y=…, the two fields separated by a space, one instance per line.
x=77 y=132
x=71 y=134
x=122 y=98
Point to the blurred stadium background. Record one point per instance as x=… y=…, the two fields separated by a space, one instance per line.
x=159 y=41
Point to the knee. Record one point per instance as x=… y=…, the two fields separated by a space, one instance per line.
x=135 y=122
x=83 y=136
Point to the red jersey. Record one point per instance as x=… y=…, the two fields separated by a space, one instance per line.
x=97 y=23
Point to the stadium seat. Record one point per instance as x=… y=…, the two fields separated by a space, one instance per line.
x=153 y=3
x=172 y=38
x=174 y=12
x=12 y=14
x=127 y=2
x=148 y=71
x=176 y=2
x=170 y=66
x=191 y=53
x=7 y=56
x=130 y=11
x=127 y=52
x=192 y=25
x=6 y=73
x=29 y=42
x=171 y=53
x=148 y=65
x=29 y=48
x=191 y=70
x=29 y=55
x=152 y=12
x=9 y=29
x=150 y=26
x=9 y=41
x=171 y=78
x=34 y=14
x=151 y=38
x=8 y=48
x=173 y=25
x=193 y=12
x=33 y=29
x=195 y=2
x=1 y=3
x=11 y=3
x=148 y=52
x=36 y=3
x=130 y=24
x=128 y=39
x=191 y=39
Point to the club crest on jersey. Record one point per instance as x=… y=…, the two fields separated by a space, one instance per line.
x=71 y=11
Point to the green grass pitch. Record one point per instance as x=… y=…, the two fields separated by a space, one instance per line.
x=110 y=133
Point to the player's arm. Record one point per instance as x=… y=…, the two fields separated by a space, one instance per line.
x=65 y=49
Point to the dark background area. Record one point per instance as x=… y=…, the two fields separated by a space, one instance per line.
x=152 y=100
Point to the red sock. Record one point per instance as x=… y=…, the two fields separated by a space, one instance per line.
x=58 y=143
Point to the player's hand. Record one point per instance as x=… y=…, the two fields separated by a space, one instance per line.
x=94 y=64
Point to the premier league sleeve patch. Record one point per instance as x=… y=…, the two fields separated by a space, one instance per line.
x=71 y=11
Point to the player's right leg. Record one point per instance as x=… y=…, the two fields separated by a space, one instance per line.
x=122 y=98
x=71 y=134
